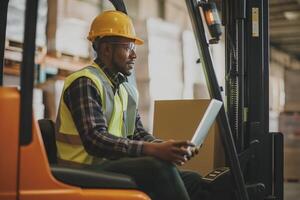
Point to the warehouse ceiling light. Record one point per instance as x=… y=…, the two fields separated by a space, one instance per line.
x=291 y=15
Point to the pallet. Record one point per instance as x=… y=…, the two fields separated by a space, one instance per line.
x=17 y=46
x=66 y=56
x=14 y=49
x=65 y=61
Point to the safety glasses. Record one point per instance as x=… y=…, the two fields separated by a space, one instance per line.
x=128 y=46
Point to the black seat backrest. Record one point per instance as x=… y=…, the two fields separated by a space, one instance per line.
x=84 y=178
x=47 y=128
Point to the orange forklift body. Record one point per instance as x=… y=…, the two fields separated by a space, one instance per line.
x=33 y=180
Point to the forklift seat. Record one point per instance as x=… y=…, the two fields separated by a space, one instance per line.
x=78 y=176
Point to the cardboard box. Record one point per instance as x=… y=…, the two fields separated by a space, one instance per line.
x=178 y=119
x=70 y=21
x=289 y=125
x=291 y=86
x=16 y=19
x=292 y=106
x=291 y=164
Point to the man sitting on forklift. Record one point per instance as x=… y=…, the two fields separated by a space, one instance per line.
x=98 y=126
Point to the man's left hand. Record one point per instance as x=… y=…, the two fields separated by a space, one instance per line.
x=194 y=151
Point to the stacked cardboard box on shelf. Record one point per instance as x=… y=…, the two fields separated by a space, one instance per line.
x=15 y=21
x=289 y=125
x=142 y=72
x=292 y=90
x=159 y=64
x=15 y=35
x=69 y=25
x=177 y=13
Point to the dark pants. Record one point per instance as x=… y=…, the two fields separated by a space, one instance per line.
x=159 y=179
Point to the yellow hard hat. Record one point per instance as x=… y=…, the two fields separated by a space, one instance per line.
x=113 y=23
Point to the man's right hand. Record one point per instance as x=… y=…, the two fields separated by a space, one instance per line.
x=171 y=150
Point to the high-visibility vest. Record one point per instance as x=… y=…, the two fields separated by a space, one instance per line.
x=119 y=109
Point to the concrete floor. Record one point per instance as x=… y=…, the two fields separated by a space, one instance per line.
x=291 y=191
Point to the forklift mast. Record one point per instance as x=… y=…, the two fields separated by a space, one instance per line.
x=247 y=86
x=254 y=155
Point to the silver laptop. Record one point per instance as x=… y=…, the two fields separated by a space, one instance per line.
x=206 y=122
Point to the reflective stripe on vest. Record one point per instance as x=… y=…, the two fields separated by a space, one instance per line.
x=119 y=109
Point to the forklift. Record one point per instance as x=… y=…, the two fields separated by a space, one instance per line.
x=254 y=156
